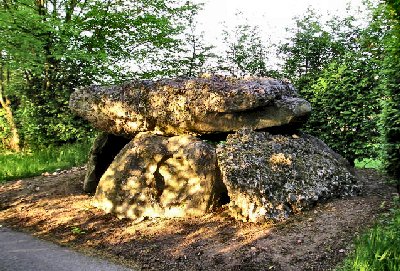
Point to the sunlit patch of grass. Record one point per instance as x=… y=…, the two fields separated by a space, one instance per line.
x=368 y=163
x=379 y=248
x=22 y=165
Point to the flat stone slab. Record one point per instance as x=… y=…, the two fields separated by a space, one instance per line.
x=272 y=176
x=190 y=106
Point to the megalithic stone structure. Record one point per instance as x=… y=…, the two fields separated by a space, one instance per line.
x=264 y=167
x=193 y=106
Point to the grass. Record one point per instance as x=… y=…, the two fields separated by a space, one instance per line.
x=368 y=163
x=21 y=165
x=379 y=248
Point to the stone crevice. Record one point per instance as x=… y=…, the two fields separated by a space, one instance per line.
x=159 y=178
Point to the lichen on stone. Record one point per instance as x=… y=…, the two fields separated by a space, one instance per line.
x=277 y=175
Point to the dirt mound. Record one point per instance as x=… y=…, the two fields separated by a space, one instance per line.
x=54 y=207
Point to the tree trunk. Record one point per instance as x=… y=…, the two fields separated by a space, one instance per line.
x=70 y=6
x=13 y=142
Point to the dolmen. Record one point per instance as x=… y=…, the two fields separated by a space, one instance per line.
x=183 y=147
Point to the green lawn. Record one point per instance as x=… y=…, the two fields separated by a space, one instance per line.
x=21 y=165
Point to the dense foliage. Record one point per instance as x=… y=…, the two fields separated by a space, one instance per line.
x=390 y=85
x=336 y=65
x=345 y=110
x=48 y=48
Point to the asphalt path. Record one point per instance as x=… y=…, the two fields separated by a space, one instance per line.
x=22 y=252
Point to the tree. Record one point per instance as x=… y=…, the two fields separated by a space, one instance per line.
x=58 y=45
x=10 y=136
x=308 y=50
x=335 y=66
x=390 y=118
x=314 y=44
x=246 y=53
x=196 y=53
x=187 y=57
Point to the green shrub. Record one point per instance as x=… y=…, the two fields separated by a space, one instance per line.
x=49 y=124
x=4 y=129
x=346 y=109
x=390 y=85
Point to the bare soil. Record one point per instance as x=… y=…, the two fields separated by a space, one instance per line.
x=55 y=208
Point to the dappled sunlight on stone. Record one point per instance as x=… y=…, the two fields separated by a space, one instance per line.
x=105 y=204
x=279 y=160
x=108 y=185
x=179 y=211
x=117 y=109
x=156 y=176
x=195 y=186
x=167 y=171
x=190 y=106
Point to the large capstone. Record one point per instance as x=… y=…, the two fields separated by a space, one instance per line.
x=157 y=176
x=190 y=106
x=271 y=176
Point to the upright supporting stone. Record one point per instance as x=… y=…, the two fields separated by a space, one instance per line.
x=272 y=176
x=157 y=176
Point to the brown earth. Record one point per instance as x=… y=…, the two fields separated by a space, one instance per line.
x=54 y=207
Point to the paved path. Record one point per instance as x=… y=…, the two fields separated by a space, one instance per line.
x=22 y=252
